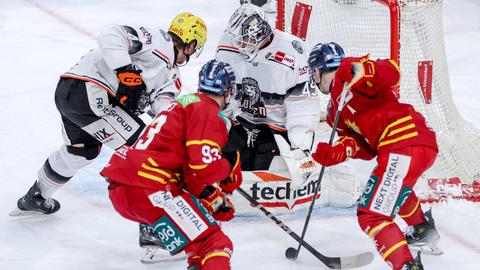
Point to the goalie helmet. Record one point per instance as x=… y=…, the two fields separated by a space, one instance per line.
x=188 y=27
x=325 y=57
x=248 y=27
x=216 y=77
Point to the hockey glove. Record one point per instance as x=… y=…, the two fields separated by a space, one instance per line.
x=217 y=204
x=358 y=72
x=234 y=179
x=130 y=87
x=329 y=155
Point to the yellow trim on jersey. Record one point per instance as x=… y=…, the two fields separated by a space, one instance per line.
x=413 y=211
x=157 y=170
x=398 y=130
x=152 y=162
x=378 y=228
x=392 y=249
x=151 y=177
x=197 y=167
x=399 y=121
x=200 y=142
x=406 y=136
x=215 y=254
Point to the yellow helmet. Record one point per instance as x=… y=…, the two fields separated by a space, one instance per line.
x=189 y=27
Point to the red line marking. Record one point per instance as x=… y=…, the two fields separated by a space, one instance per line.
x=62 y=19
x=470 y=246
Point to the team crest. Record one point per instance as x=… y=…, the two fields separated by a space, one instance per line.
x=297 y=46
x=250 y=98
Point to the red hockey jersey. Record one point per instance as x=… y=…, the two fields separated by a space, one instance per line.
x=373 y=115
x=180 y=149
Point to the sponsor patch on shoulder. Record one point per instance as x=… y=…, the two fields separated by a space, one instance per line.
x=188 y=99
x=297 y=46
x=282 y=58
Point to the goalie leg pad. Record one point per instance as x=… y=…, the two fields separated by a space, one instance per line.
x=341 y=187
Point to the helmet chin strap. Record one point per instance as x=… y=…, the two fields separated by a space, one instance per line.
x=186 y=56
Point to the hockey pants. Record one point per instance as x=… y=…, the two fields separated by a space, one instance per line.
x=389 y=192
x=181 y=222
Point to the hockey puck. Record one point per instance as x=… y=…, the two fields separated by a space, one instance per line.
x=291 y=253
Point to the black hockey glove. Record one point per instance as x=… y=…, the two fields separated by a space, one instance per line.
x=130 y=87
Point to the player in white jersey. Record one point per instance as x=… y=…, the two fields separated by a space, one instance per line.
x=100 y=98
x=273 y=94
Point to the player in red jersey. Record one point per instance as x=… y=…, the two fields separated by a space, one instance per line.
x=373 y=123
x=174 y=177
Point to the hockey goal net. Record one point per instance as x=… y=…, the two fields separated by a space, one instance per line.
x=411 y=32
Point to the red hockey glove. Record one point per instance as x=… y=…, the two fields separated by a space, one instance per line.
x=130 y=87
x=217 y=204
x=358 y=72
x=329 y=155
x=234 y=179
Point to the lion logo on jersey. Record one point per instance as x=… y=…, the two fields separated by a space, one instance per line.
x=250 y=98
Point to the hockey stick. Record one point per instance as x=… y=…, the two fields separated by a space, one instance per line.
x=332 y=262
x=291 y=252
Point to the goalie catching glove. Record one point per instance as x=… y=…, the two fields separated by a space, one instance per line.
x=130 y=87
x=215 y=201
x=329 y=155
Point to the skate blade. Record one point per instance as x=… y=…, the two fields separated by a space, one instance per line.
x=161 y=259
x=154 y=254
x=432 y=250
x=17 y=212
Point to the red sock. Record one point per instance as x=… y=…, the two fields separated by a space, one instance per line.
x=388 y=238
x=220 y=261
x=411 y=211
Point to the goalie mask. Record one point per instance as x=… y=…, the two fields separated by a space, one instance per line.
x=248 y=27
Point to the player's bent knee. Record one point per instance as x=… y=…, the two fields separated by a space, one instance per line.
x=371 y=221
x=88 y=152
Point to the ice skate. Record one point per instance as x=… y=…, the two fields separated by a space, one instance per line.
x=33 y=203
x=414 y=265
x=424 y=237
x=155 y=251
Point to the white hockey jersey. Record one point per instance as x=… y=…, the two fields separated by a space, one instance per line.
x=273 y=89
x=150 y=50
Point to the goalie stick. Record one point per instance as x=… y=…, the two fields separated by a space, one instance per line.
x=346 y=262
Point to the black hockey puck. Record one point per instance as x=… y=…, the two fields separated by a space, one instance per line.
x=291 y=253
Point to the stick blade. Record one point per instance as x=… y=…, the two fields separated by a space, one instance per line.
x=358 y=260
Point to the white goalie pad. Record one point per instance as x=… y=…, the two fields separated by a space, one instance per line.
x=275 y=190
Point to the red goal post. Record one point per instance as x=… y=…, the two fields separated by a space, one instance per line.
x=411 y=32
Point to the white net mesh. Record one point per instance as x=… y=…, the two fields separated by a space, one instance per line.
x=364 y=26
